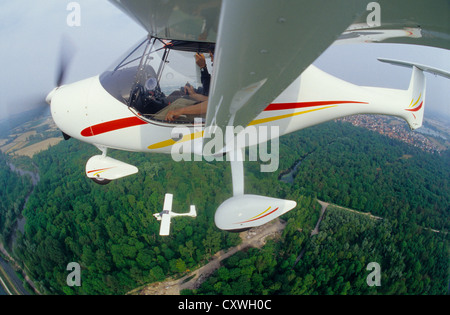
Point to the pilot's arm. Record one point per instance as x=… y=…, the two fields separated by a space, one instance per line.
x=192 y=94
x=205 y=76
x=197 y=109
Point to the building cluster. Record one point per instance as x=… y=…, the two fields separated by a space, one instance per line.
x=394 y=128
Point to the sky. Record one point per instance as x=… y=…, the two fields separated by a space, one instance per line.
x=31 y=33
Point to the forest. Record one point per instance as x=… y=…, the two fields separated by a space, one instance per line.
x=111 y=232
x=13 y=192
x=359 y=169
x=412 y=261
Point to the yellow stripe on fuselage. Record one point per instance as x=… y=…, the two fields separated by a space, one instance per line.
x=269 y=119
x=170 y=142
x=199 y=134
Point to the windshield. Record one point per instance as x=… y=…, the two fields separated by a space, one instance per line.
x=154 y=74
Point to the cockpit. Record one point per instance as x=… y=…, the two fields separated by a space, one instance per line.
x=158 y=75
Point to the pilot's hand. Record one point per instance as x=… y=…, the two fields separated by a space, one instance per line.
x=189 y=89
x=200 y=60
x=172 y=115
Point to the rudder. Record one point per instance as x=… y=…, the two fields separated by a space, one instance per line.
x=413 y=113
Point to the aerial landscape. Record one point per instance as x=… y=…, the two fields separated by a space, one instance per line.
x=336 y=180
x=365 y=177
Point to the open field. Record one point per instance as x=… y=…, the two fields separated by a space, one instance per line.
x=31 y=138
x=38 y=147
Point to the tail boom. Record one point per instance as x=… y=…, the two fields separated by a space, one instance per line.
x=321 y=97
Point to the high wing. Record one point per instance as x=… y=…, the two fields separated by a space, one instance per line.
x=166 y=215
x=198 y=20
x=428 y=23
x=194 y=20
x=263 y=45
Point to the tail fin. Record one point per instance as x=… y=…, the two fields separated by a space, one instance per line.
x=416 y=92
x=413 y=112
x=192 y=212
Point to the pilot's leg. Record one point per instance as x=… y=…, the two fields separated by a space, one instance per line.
x=179 y=103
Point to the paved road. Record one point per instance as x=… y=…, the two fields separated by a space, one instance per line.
x=18 y=286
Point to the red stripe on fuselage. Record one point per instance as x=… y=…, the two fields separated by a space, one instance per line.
x=135 y=121
x=111 y=126
x=280 y=106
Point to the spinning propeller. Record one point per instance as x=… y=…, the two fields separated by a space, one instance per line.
x=66 y=53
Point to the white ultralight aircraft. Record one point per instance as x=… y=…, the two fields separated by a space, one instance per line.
x=167 y=214
x=262 y=77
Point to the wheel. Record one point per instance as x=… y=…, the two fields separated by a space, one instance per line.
x=101 y=181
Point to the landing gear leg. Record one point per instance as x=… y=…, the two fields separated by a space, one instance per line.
x=99 y=180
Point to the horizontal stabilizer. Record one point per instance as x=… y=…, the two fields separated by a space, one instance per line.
x=407 y=64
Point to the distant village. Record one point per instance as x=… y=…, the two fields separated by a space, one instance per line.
x=396 y=129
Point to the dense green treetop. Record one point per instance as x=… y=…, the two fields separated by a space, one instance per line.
x=111 y=232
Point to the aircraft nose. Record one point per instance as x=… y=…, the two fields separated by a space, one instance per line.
x=68 y=104
x=48 y=99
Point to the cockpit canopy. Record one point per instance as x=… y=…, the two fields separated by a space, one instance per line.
x=153 y=75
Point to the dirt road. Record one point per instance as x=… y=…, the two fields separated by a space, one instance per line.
x=322 y=212
x=255 y=237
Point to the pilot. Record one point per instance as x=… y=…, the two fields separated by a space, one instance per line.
x=202 y=99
